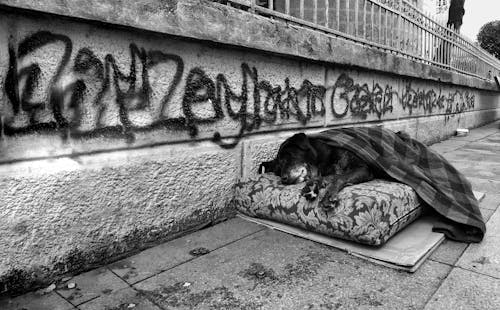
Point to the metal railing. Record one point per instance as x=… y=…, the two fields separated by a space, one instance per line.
x=395 y=26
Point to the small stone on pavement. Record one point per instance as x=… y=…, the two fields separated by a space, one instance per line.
x=50 y=288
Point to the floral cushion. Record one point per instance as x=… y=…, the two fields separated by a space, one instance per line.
x=368 y=213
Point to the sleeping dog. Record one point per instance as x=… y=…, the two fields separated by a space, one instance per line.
x=301 y=158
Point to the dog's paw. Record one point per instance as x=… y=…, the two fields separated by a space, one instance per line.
x=329 y=204
x=330 y=200
x=311 y=190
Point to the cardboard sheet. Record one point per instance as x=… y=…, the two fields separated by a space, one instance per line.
x=406 y=250
x=479 y=195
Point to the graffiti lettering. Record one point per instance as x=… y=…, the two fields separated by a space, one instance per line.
x=30 y=75
x=457 y=103
x=96 y=95
x=413 y=99
x=360 y=99
x=429 y=101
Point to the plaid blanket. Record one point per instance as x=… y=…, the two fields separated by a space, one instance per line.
x=410 y=162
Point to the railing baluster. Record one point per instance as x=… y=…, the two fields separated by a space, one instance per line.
x=402 y=30
x=347 y=6
x=450 y=47
x=447 y=48
x=398 y=29
x=372 y=20
x=459 y=57
x=420 y=43
x=386 y=32
x=440 y=51
x=419 y=38
x=455 y=52
x=327 y=12
x=406 y=36
x=423 y=34
x=287 y=7
x=466 y=61
x=414 y=37
x=393 y=29
x=441 y=56
x=427 y=41
x=382 y=26
x=315 y=11
x=338 y=14
x=430 y=42
x=301 y=9
x=356 y=9
x=365 y=22
x=449 y=55
x=379 y=24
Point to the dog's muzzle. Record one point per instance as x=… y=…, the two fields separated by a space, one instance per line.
x=295 y=175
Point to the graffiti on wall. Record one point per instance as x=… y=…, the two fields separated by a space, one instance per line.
x=360 y=100
x=452 y=103
x=88 y=96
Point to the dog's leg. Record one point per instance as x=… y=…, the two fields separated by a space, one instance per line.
x=338 y=182
x=312 y=187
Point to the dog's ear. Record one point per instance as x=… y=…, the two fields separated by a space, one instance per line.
x=269 y=166
x=301 y=141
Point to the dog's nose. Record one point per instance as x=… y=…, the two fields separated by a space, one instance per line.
x=302 y=171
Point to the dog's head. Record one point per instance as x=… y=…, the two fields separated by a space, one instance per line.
x=296 y=160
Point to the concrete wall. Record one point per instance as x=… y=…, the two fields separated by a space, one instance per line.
x=113 y=138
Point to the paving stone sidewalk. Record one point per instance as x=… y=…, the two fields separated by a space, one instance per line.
x=239 y=265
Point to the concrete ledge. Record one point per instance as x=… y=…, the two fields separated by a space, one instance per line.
x=206 y=20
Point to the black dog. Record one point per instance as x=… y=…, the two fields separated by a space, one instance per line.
x=301 y=158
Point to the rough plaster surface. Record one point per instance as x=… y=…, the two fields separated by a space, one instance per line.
x=105 y=132
x=63 y=214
